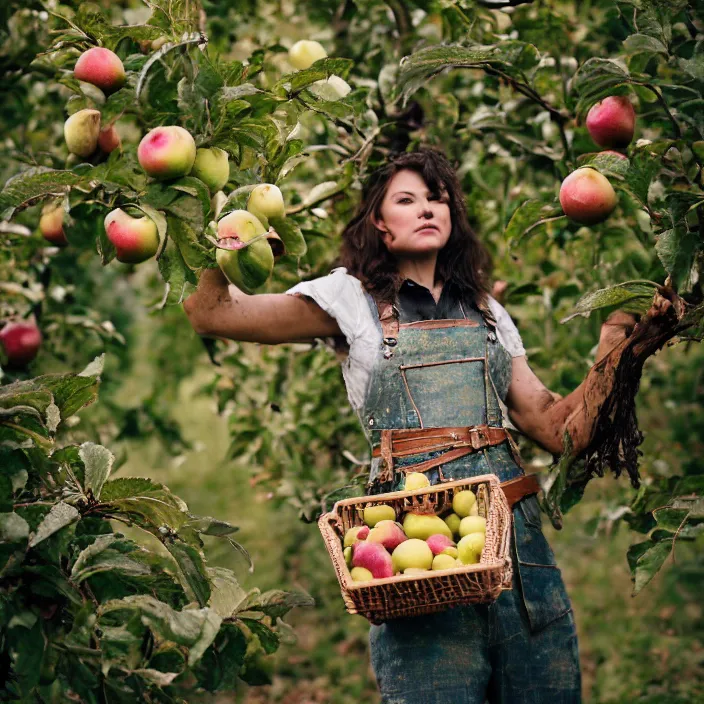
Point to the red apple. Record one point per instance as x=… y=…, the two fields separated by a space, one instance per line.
x=108 y=139
x=167 y=152
x=21 y=341
x=135 y=239
x=586 y=196
x=102 y=68
x=51 y=225
x=611 y=122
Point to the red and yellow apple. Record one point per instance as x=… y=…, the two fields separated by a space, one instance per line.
x=102 y=68
x=51 y=225
x=374 y=557
x=109 y=139
x=355 y=534
x=388 y=533
x=167 y=152
x=247 y=267
x=135 y=239
x=587 y=197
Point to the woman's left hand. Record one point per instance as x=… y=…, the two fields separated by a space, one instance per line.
x=617 y=327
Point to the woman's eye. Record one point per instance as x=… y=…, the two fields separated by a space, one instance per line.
x=404 y=200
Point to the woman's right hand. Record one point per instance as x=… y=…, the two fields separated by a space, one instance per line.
x=219 y=309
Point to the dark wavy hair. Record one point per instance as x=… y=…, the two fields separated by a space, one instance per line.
x=463 y=262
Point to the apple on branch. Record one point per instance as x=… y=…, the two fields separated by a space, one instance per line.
x=212 y=167
x=51 y=225
x=611 y=122
x=304 y=53
x=167 y=152
x=586 y=196
x=81 y=132
x=102 y=68
x=21 y=341
x=135 y=239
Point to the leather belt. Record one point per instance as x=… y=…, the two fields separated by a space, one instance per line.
x=516 y=489
x=413 y=441
x=458 y=442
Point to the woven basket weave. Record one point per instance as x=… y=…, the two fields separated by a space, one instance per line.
x=379 y=600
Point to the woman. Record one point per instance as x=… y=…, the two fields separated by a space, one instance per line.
x=431 y=363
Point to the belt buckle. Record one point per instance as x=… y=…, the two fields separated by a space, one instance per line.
x=478 y=438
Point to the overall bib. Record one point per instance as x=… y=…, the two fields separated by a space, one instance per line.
x=522 y=648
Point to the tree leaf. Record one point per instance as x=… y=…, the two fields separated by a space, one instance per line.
x=606 y=163
x=268 y=639
x=677 y=249
x=34 y=183
x=291 y=235
x=639 y=43
x=226 y=594
x=528 y=218
x=152 y=505
x=639 y=296
x=649 y=561
x=97 y=461
x=60 y=515
x=323 y=68
x=192 y=572
x=596 y=79
x=194 y=628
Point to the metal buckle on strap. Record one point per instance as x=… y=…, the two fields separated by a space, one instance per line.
x=478 y=438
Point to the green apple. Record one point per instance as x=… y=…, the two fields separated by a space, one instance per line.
x=303 y=54
x=412 y=553
x=266 y=201
x=81 y=132
x=453 y=523
x=361 y=574
x=380 y=512
x=416 y=480
x=472 y=524
x=443 y=562
x=470 y=548
x=462 y=502
x=212 y=168
x=417 y=525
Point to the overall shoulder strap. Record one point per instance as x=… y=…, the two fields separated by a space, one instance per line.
x=388 y=317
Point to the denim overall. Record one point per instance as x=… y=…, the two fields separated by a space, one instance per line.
x=523 y=647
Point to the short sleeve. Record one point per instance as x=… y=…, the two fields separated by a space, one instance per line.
x=507 y=331
x=340 y=295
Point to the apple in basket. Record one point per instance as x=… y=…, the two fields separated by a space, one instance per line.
x=355 y=534
x=389 y=533
x=439 y=542
x=374 y=557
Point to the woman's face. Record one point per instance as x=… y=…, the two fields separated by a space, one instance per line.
x=414 y=222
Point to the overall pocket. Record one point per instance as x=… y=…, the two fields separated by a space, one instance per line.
x=543 y=591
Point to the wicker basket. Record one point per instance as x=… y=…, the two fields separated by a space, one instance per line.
x=413 y=595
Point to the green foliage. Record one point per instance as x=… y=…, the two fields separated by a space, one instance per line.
x=81 y=601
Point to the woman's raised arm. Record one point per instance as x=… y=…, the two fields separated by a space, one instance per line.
x=219 y=309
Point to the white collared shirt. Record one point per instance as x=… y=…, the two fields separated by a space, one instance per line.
x=342 y=297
